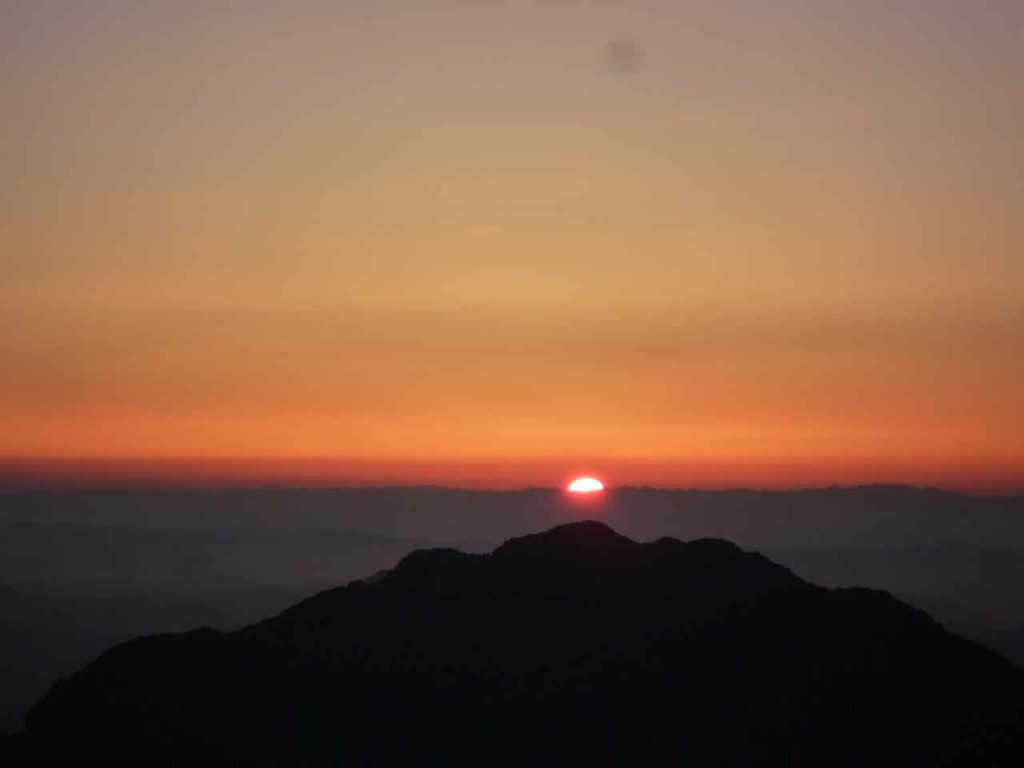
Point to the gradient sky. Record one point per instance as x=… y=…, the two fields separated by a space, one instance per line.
x=452 y=242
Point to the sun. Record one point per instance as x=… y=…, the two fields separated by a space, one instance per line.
x=585 y=485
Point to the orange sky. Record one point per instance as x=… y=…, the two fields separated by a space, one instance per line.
x=305 y=242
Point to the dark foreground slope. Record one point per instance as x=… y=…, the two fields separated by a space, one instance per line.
x=573 y=645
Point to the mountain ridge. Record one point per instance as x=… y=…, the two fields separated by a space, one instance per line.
x=573 y=644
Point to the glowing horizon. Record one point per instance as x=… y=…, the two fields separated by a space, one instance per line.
x=325 y=472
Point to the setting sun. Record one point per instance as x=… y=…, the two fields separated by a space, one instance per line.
x=586 y=485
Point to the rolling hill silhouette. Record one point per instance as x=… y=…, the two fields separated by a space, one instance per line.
x=573 y=645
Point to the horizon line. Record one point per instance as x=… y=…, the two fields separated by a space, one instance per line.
x=7 y=486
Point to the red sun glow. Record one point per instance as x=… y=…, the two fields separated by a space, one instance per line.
x=586 y=485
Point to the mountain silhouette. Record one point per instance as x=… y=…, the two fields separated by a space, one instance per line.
x=573 y=646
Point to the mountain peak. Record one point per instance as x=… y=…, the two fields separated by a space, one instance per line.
x=584 y=536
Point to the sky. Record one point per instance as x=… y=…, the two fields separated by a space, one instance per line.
x=689 y=244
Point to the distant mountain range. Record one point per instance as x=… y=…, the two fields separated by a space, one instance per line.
x=574 y=646
x=864 y=516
